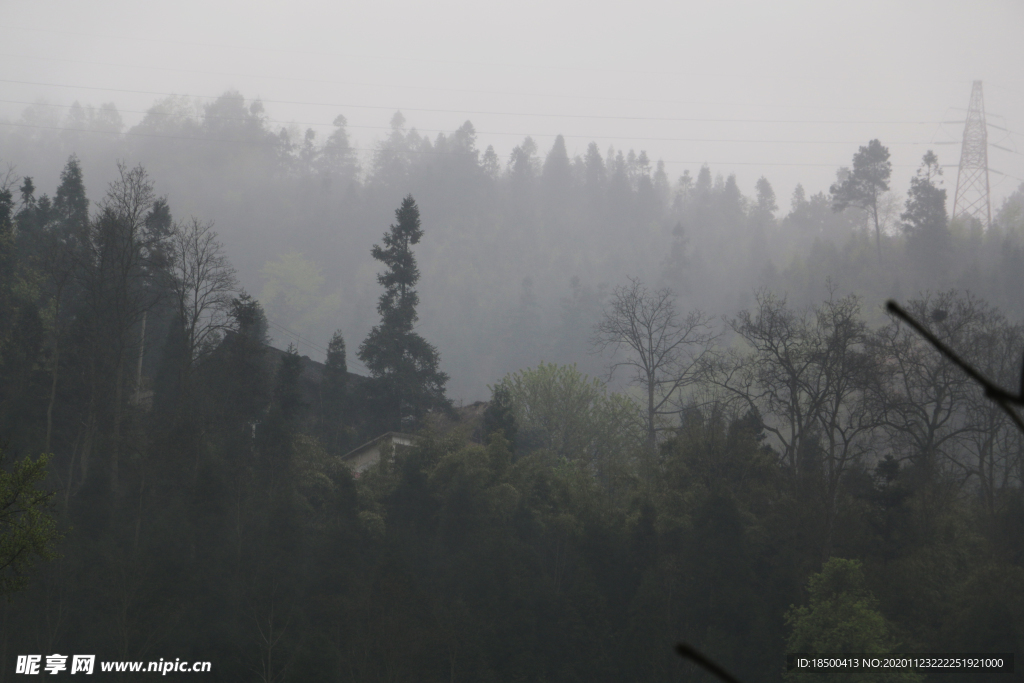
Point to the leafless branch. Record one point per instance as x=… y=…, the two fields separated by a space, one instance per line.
x=663 y=350
x=202 y=281
x=1004 y=399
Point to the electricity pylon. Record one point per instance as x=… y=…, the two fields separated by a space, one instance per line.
x=972 y=198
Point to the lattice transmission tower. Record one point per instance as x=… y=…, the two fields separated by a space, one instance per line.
x=972 y=197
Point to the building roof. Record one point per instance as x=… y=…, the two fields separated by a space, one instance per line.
x=412 y=438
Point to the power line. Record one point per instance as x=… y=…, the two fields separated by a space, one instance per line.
x=296 y=336
x=600 y=117
x=307 y=342
x=1005 y=149
x=992 y=170
x=408 y=151
x=989 y=125
x=484 y=132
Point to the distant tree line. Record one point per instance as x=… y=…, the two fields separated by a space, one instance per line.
x=805 y=474
x=524 y=246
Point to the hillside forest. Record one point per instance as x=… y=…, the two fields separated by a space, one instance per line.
x=643 y=409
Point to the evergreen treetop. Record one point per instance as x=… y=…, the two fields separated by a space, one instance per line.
x=398 y=302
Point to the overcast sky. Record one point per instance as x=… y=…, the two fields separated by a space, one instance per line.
x=782 y=89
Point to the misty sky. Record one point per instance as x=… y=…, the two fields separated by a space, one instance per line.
x=786 y=90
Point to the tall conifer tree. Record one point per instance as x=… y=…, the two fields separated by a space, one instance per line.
x=864 y=186
x=334 y=391
x=406 y=381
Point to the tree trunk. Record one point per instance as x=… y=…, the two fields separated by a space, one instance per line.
x=878 y=231
x=53 y=396
x=651 y=436
x=138 y=512
x=138 y=369
x=53 y=380
x=90 y=431
x=115 y=446
x=71 y=472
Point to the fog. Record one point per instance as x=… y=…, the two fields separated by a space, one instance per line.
x=785 y=93
x=545 y=69
x=559 y=154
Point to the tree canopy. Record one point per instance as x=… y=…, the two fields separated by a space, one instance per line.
x=864 y=185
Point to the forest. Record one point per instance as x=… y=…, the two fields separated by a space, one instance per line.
x=646 y=410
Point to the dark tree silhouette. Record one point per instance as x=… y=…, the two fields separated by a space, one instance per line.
x=663 y=349
x=405 y=379
x=864 y=186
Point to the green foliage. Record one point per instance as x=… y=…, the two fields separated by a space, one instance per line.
x=28 y=528
x=558 y=408
x=499 y=414
x=560 y=549
x=841 y=617
x=714 y=452
x=321 y=480
x=293 y=292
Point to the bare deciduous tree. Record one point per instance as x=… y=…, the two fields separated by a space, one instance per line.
x=993 y=449
x=202 y=282
x=940 y=417
x=922 y=398
x=663 y=349
x=808 y=373
x=772 y=375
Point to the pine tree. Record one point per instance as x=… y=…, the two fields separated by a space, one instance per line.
x=241 y=377
x=287 y=394
x=334 y=389
x=8 y=297
x=335 y=368
x=405 y=379
x=766 y=205
x=70 y=203
x=925 y=220
x=865 y=185
x=7 y=261
x=557 y=180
